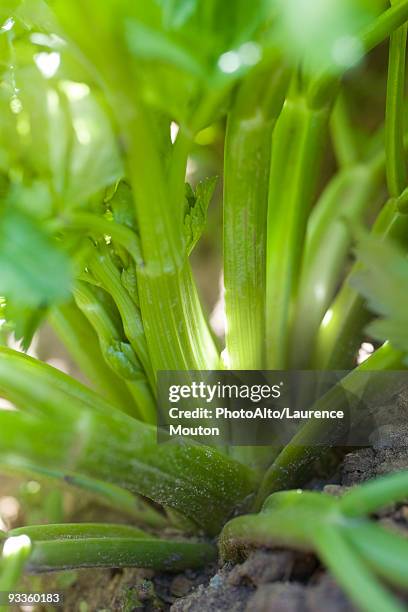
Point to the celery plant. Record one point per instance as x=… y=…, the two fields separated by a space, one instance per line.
x=97 y=226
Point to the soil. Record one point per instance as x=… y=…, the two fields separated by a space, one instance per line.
x=268 y=580
x=285 y=581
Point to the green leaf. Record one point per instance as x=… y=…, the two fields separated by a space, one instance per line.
x=120 y=201
x=61 y=135
x=177 y=12
x=323 y=33
x=196 y=214
x=33 y=270
x=94 y=160
x=148 y=44
x=383 y=281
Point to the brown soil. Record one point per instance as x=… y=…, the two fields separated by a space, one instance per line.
x=284 y=581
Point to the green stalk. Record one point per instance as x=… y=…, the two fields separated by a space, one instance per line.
x=342 y=329
x=177 y=333
x=384 y=25
x=172 y=315
x=384 y=551
x=16 y=368
x=397 y=177
x=74 y=434
x=288 y=518
x=316 y=437
x=315 y=522
x=297 y=145
x=109 y=495
x=348 y=197
x=247 y=152
x=161 y=555
x=372 y=35
x=125 y=453
x=176 y=330
x=79 y=338
x=77 y=531
x=375 y=494
x=66 y=546
x=246 y=180
x=117 y=352
x=96 y=225
x=15 y=553
x=343 y=134
x=351 y=572
x=103 y=268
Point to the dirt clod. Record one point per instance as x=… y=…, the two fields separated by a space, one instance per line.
x=278 y=597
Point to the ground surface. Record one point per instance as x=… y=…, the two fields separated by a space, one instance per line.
x=268 y=581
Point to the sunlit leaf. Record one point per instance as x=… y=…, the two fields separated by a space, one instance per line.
x=33 y=270
x=323 y=33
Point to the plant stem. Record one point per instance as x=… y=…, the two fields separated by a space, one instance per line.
x=163 y=555
x=100 y=226
x=342 y=329
x=349 y=569
x=371 y=36
x=109 y=495
x=65 y=531
x=347 y=198
x=246 y=182
x=384 y=551
x=296 y=460
x=296 y=151
x=15 y=553
x=176 y=330
x=105 y=271
x=82 y=343
x=397 y=176
x=74 y=431
x=343 y=134
x=384 y=25
x=117 y=352
x=48 y=386
x=375 y=494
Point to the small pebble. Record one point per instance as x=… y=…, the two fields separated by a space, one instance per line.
x=180 y=586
